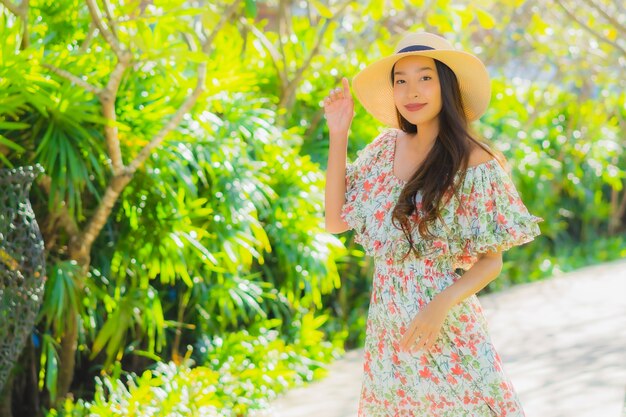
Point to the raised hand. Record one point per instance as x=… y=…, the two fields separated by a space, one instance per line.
x=339 y=108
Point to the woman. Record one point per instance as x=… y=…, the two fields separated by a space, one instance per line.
x=425 y=198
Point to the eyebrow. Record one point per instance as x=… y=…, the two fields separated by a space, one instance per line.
x=418 y=70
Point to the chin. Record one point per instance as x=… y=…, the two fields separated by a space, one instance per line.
x=410 y=118
x=416 y=120
x=420 y=120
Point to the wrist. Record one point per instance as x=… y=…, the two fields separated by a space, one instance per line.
x=338 y=133
x=445 y=299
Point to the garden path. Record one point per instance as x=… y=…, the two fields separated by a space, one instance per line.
x=562 y=342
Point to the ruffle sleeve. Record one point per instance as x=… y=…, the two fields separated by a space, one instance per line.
x=490 y=215
x=358 y=173
x=351 y=211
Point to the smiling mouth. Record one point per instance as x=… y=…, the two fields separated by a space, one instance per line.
x=414 y=107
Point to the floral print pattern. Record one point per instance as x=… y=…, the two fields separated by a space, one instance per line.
x=462 y=374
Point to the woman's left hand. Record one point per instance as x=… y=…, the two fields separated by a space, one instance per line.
x=425 y=327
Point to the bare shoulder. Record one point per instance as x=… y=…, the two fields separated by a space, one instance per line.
x=478 y=156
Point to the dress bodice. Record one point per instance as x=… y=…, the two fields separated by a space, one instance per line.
x=486 y=215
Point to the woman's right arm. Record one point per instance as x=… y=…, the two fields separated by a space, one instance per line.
x=339 y=112
x=334 y=197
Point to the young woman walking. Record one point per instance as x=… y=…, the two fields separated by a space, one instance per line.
x=426 y=199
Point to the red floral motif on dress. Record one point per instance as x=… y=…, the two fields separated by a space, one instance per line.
x=462 y=374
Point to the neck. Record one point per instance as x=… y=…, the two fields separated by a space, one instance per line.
x=425 y=138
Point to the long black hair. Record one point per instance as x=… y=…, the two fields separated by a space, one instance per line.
x=449 y=155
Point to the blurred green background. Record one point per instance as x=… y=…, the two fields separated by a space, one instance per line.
x=184 y=145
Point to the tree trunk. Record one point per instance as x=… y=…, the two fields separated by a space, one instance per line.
x=67 y=359
x=80 y=249
x=80 y=245
x=25 y=397
x=618 y=212
x=5 y=398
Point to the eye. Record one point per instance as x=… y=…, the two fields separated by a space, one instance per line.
x=427 y=77
x=398 y=81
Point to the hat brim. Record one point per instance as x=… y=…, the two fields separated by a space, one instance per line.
x=372 y=85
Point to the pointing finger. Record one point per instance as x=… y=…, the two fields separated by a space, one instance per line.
x=346 y=85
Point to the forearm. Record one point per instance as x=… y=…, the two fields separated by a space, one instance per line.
x=485 y=270
x=335 y=190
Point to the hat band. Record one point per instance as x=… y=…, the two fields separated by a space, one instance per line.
x=412 y=48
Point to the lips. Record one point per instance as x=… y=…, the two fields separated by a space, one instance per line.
x=414 y=107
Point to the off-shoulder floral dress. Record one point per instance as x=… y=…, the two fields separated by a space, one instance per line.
x=462 y=374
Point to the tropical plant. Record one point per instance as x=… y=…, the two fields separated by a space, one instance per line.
x=185 y=146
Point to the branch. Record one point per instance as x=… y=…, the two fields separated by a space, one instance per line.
x=288 y=93
x=588 y=29
x=225 y=17
x=24 y=9
x=189 y=102
x=293 y=83
x=313 y=53
x=621 y=211
x=108 y=36
x=12 y=7
x=65 y=219
x=619 y=27
x=520 y=14
x=73 y=78
x=618 y=210
x=112 y=23
x=174 y=121
x=118 y=72
x=82 y=248
x=90 y=35
x=21 y=11
x=283 y=30
x=107 y=99
x=270 y=49
x=106 y=95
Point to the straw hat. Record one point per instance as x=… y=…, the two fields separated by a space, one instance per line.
x=372 y=86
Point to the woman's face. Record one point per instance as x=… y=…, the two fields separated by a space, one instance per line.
x=416 y=85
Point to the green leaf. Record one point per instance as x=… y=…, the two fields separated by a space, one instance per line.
x=485 y=19
x=13 y=125
x=250 y=9
x=48 y=365
x=11 y=145
x=376 y=9
x=439 y=21
x=52 y=368
x=106 y=334
x=322 y=9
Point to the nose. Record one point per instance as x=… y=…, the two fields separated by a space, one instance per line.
x=411 y=88
x=414 y=90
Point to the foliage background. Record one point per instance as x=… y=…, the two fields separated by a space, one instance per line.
x=185 y=149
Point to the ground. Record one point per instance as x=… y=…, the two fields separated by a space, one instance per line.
x=561 y=340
